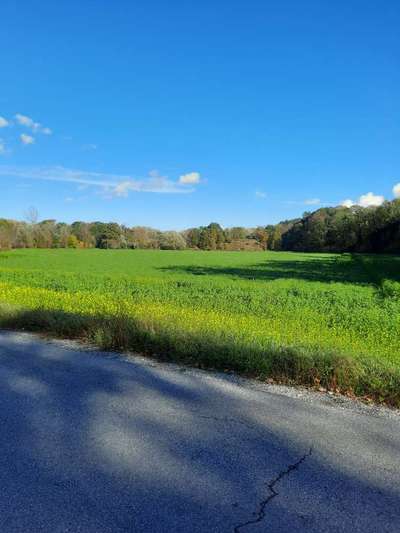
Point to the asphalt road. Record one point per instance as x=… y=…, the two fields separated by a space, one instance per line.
x=99 y=443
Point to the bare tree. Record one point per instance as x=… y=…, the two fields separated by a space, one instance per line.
x=32 y=215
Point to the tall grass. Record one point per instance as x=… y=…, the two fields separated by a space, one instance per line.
x=309 y=319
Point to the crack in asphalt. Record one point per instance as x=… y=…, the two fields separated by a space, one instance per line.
x=273 y=493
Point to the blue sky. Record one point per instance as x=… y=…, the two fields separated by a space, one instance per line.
x=175 y=114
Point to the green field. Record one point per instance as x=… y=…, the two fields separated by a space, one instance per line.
x=316 y=319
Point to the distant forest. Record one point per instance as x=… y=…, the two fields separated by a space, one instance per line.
x=330 y=229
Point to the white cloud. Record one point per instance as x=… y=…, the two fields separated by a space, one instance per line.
x=261 y=194
x=366 y=200
x=192 y=178
x=23 y=120
x=109 y=185
x=396 y=190
x=347 y=203
x=28 y=122
x=3 y=122
x=312 y=201
x=27 y=139
x=370 y=199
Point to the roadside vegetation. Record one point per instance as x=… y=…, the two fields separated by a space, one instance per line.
x=323 y=320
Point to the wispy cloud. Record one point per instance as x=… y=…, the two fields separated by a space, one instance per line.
x=108 y=185
x=396 y=190
x=260 y=194
x=3 y=122
x=28 y=122
x=312 y=201
x=307 y=201
x=3 y=149
x=27 y=139
x=89 y=147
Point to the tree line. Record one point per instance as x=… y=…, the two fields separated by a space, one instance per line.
x=343 y=229
x=331 y=229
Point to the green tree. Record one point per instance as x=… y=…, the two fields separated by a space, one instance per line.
x=73 y=242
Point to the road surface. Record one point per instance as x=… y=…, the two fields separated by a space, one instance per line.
x=97 y=443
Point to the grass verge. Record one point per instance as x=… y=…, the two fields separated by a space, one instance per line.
x=209 y=341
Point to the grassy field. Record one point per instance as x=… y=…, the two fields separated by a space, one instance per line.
x=316 y=319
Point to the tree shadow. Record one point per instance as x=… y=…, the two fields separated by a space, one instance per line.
x=290 y=363
x=91 y=442
x=343 y=269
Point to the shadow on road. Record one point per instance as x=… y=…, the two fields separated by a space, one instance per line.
x=94 y=443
